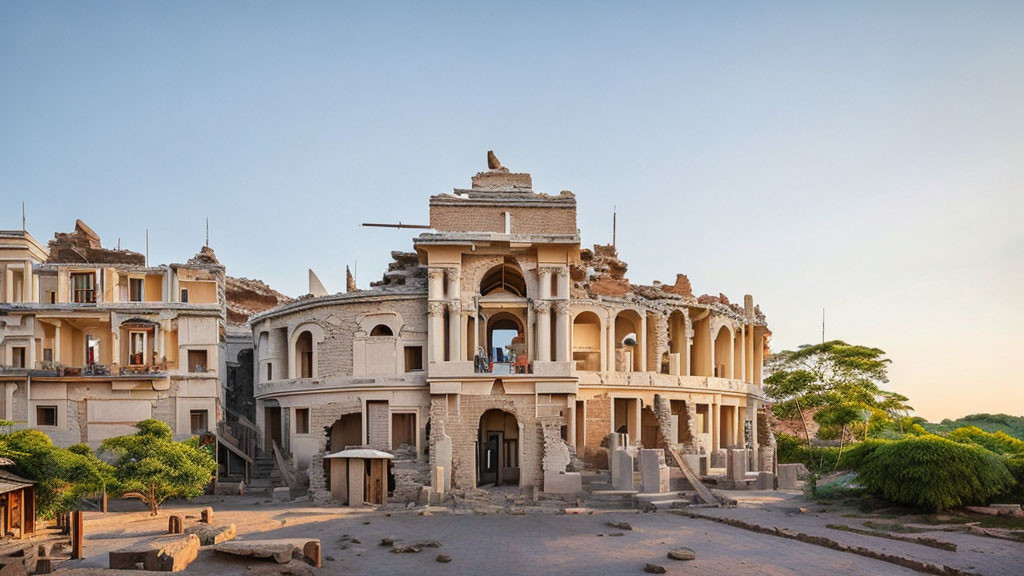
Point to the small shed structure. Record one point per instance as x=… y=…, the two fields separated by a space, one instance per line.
x=359 y=476
x=17 y=504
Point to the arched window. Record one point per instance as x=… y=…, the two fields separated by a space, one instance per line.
x=381 y=330
x=506 y=277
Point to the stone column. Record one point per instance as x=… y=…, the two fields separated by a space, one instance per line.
x=435 y=327
x=610 y=340
x=562 y=331
x=454 y=330
x=752 y=407
x=748 y=346
x=716 y=430
x=26 y=284
x=544 y=282
x=56 y=342
x=543 y=322
x=563 y=281
x=644 y=344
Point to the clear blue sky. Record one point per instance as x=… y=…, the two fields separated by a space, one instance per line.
x=866 y=157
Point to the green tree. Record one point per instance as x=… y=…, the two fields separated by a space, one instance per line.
x=839 y=379
x=65 y=475
x=152 y=467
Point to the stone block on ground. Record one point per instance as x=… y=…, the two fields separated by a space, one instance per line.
x=164 y=554
x=563 y=482
x=654 y=473
x=280 y=550
x=790 y=475
x=765 y=481
x=209 y=535
x=282 y=494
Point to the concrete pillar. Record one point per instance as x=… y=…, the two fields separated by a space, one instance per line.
x=748 y=346
x=562 y=331
x=752 y=407
x=730 y=368
x=26 y=282
x=737 y=434
x=56 y=342
x=570 y=402
x=8 y=284
x=543 y=322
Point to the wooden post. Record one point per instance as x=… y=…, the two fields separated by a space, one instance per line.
x=77 y=533
x=311 y=550
x=103 y=501
x=174 y=525
x=206 y=515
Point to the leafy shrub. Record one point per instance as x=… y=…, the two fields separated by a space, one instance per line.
x=931 y=472
x=857 y=454
x=998 y=442
x=64 y=475
x=1011 y=425
x=1015 y=494
x=792 y=450
x=152 y=467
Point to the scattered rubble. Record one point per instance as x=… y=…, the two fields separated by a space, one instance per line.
x=83 y=245
x=246 y=297
x=654 y=568
x=682 y=553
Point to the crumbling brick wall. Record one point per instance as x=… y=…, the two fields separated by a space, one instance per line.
x=657 y=342
x=599 y=423
x=525 y=220
x=321 y=418
x=377 y=415
x=461 y=421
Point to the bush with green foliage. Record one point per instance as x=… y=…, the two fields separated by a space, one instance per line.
x=792 y=450
x=998 y=442
x=1011 y=425
x=1015 y=494
x=152 y=467
x=930 y=472
x=65 y=475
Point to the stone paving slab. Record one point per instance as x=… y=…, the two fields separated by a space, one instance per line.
x=974 y=554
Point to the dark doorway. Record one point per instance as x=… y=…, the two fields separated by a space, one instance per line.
x=272 y=425
x=498 y=455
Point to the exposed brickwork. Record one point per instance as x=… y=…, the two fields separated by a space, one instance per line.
x=377 y=425
x=321 y=418
x=599 y=423
x=525 y=220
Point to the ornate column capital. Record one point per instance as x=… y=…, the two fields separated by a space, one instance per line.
x=435 y=309
x=541 y=306
x=452 y=271
x=456 y=307
x=562 y=271
x=435 y=273
x=561 y=307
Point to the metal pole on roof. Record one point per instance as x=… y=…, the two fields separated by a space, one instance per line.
x=207 y=232
x=147 y=247
x=23 y=229
x=614 y=215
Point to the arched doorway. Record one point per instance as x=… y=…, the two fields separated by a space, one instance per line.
x=304 y=355
x=506 y=341
x=498 y=454
x=586 y=342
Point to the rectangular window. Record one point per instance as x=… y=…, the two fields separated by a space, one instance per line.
x=83 y=288
x=302 y=420
x=184 y=295
x=46 y=415
x=19 y=356
x=414 y=358
x=136 y=289
x=198 y=421
x=136 y=348
x=53 y=297
x=197 y=360
x=270 y=371
x=47 y=354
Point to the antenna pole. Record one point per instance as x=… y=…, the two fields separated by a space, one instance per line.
x=23 y=228
x=207 y=231
x=147 y=247
x=823 y=325
x=614 y=215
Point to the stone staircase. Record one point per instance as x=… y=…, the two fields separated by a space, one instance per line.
x=265 y=476
x=598 y=492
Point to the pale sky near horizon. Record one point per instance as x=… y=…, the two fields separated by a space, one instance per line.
x=864 y=157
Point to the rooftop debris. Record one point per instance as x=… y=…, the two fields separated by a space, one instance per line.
x=83 y=246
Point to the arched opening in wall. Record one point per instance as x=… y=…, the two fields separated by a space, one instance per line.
x=381 y=330
x=304 y=355
x=345 y=432
x=586 y=341
x=505 y=278
x=700 y=353
x=723 y=351
x=506 y=343
x=498 y=454
x=677 y=343
x=649 y=427
x=629 y=342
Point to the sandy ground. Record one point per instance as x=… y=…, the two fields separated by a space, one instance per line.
x=493 y=544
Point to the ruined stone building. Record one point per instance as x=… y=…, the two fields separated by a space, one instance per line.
x=94 y=340
x=499 y=347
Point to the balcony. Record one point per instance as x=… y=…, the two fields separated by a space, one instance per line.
x=58 y=370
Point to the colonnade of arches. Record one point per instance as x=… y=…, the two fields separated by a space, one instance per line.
x=698 y=345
